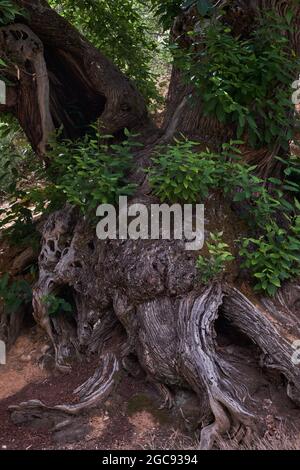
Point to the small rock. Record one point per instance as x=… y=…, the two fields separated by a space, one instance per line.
x=69 y=435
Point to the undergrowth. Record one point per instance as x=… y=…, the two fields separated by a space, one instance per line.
x=84 y=173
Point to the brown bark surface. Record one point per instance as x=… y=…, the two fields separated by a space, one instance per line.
x=232 y=349
x=60 y=79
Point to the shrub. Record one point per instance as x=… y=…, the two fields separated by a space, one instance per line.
x=85 y=173
x=14 y=294
x=90 y=172
x=179 y=174
x=166 y=11
x=16 y=155
x=56 y=305
x=9 y=11
x=236 y=77
x=214 y=265
x=274 y=257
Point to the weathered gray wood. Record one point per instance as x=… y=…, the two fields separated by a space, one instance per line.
x=171 y=322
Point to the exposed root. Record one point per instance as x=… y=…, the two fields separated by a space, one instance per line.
x=98 y=387
x=168 y=399
x=172 y=325
x=147 y=289
x=219 y=427
x=90 y=394
x=208 y=373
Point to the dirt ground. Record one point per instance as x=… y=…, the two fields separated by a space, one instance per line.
x=131 y=419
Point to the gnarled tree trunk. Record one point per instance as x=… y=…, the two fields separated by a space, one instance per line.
x=232 y=349
x=213 y=340
x=60 y=79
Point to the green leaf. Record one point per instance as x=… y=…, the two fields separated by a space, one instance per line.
x=289 y=16
x=204 y=6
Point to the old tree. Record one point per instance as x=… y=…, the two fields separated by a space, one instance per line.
x=141 y=304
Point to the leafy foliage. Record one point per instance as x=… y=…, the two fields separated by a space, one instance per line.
x=84 y=173
x=14 y=294
x=245 y=82
x=9 y=11
x=181 y=174
x=265 y=198
x=214 y=265
x=17 y=170
x=203 y=6
x=121 y=31
x=166 y=11
x=90 y=172
x=274 y=257
x=16 y=155
x=18 y=225
x=56 y=305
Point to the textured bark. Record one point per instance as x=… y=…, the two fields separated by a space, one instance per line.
x=213 y=340
x=14 y=261
x=61 y=79
x=141 y=302
x=30 y=101
x=94 y=390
